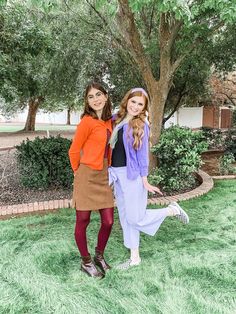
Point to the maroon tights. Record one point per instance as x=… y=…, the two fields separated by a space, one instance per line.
x=82 y=221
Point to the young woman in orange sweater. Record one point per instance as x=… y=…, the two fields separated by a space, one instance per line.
x=90 y=156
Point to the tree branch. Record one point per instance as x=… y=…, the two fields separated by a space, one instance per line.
x=145 y=21
x=231 y=81
x=179 y=60
x=181 y=94
x=97 y=12
x=177 y=105
x=116 y=38
x=216 y=27
x=168 y=31
x=151 y=20
x=148 y=23
x=131 y=36
x=174 y=32
x=231 y=99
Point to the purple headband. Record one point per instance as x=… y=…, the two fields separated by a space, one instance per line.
x=139 y=89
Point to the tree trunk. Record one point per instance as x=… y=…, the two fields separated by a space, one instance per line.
x=158 y=90
x=68 y=116
x=158 y=95
x=33 y=106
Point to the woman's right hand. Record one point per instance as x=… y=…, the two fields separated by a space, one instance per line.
x=150 y=188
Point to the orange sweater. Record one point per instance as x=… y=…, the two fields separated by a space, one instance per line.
x=88 y=146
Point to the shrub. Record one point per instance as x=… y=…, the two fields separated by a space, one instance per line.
x=179 y=156
x=225 y=164
x=215 y=138
x=154 y=177
x=234 y=118
x=44 y=162
x=231 y=143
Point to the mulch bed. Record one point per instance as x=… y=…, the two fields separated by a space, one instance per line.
x=211 y=162
x=11 y=191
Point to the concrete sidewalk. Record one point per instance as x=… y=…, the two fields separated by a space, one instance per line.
x=9 y=139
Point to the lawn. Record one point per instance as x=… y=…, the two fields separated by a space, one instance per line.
x=11 y=127
x=185 y=269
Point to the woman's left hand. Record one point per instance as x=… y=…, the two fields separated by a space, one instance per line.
x=151 y=188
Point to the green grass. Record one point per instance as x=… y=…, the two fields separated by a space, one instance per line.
x=185 y=269
x=39 y=127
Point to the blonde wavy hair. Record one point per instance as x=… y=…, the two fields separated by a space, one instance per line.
x=136 y=123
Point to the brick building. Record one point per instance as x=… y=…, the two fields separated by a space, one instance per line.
x=217 y=117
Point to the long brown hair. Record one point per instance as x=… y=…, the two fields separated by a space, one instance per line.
x=136 y=123
x=106 y=113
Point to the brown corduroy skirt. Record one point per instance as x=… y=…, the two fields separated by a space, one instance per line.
x=91 y=190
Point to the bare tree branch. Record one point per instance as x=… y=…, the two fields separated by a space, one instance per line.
x=231 y=99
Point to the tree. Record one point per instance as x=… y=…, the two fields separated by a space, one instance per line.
x=190 y=85
x=86 y=51
x=72 y=50
x=223 y=89
x=26 y=48
x=166 y=46
x=178 y=28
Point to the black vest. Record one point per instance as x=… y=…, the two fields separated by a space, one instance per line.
x=118 y=152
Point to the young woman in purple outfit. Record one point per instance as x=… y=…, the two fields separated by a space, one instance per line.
x=129 y=170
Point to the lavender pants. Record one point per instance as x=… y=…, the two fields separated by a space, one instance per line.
x=131 y=201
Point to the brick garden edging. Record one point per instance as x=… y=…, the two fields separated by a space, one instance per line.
x=228 y=177
x=34 y=207
x=206 y=186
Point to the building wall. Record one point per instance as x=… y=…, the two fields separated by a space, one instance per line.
x=217 y=117
x=190 y=117
x=193 y=117
x=42 y=117
x=225 y=118
x=211 y=116
x=206 y=116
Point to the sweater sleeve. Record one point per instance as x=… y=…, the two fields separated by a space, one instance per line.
x=80 y=137
x=143 y=153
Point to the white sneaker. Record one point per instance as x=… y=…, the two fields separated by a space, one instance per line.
x=128 y=264
x=180 y=213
